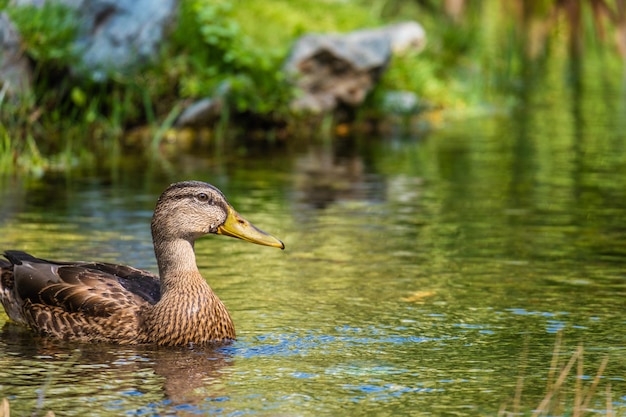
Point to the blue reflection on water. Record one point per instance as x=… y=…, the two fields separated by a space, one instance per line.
x=392 y=389
x=554 y=326
x=303 y=375
x=524 y=312
x=284 y=344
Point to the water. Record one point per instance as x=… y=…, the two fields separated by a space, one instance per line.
x=422 y=276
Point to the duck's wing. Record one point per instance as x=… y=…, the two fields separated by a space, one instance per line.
x=139 y=282
x=91 y=289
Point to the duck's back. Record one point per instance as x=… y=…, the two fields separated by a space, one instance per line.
x=85 y=301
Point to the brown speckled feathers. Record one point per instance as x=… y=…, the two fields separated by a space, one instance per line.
x=101 y=302
x=79 y=301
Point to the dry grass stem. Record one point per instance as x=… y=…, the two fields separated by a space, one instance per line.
x=594 y=384
x=609 y=402
x=519 y=387
x=543 y=406
x=578 y=397
x=555 y=360
x=4 y=408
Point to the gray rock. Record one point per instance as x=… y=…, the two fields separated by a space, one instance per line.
x=334 y=69
x=15 y=72
x=400 y=102
x=206 y=111
x=406 y=37
x=119 y=36
x=116 y=36
x=201 y=113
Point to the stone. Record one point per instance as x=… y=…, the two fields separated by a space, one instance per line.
x=15 y=72
x=203 y=112
x=400 y=102
x=119 y=36
x=206 y=111
x=116 y=36
x=333 y=70
x=406 y=37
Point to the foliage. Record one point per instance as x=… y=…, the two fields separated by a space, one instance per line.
x=68 y=120
x=289 y=19
x=223 y=46
x=47 y=31
x=222 y=59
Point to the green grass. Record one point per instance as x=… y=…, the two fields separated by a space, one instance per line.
x=289 y=19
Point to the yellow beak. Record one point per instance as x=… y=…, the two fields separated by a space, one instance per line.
x=236 y=226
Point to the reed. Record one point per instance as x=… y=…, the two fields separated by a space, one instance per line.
x=554 y=402
x=5 y=410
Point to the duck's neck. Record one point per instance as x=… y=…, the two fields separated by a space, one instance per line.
x=189 y=311
x=176 y=258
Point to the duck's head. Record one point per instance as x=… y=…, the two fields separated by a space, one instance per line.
x=191 y=209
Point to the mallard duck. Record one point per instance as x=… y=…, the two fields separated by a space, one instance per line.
x=102 y=302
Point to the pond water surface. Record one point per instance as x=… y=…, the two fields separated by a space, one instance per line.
x=423 y=275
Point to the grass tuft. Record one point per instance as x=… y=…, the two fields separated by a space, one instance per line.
x=554 y=402
x=5 y=410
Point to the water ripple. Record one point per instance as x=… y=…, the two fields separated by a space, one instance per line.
x=285 y=344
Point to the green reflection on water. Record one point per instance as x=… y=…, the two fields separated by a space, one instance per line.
x=417 y=275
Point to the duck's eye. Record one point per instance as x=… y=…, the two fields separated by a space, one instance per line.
x=203 y=197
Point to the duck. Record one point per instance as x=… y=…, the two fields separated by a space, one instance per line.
x=100 y=302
